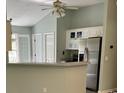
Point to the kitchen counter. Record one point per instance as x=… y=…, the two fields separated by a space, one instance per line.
x=59 y=64
x=46 y=78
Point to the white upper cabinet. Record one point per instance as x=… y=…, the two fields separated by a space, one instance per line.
x=100 y=31
x=71 y=41
x=73 y=36
x=85 y=33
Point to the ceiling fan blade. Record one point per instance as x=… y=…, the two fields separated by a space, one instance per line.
x=71 y=7
x=46 y=9
x=46 y=5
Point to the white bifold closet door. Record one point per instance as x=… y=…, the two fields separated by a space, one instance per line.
x=37 y=48
x=49 y=47
x=23 y=42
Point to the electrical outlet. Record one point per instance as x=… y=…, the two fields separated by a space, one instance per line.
x=44 y=90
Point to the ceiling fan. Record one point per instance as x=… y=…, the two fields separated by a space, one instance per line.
x=58 y=8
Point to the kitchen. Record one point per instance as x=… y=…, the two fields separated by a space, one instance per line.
x=60 y=29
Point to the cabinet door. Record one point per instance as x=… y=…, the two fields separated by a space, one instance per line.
x=73 y=44
x=92 y=32
x=95 y=31
x=85 y=33
x=8 y=36
x=100 y=31
x=71 y=41
x=82 y=45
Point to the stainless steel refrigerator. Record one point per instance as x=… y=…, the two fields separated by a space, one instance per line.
x=91 y=48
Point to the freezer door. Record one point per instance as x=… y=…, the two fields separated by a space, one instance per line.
x=93 y=45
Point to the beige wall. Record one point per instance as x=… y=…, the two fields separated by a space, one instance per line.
x=32 y=79
x=108 y=73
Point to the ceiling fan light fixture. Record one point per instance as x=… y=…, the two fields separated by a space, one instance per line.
x=59 y=8
x=58 y=12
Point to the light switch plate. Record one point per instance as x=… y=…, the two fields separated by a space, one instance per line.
x=44 y=90
x=106 y=58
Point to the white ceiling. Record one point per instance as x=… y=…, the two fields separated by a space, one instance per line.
x=28 y=12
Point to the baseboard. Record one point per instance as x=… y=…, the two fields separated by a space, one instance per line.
x=106 y=91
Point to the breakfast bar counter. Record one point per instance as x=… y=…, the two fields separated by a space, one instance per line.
x=46 y=78
x=58 y=64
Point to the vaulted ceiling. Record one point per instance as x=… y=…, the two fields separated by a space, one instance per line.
x=29 y=12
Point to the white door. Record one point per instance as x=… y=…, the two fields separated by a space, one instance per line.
x=49 y=47
x=23 y=44
x=37 y=47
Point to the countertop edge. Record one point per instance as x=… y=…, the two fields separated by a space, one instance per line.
x=69 y=64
